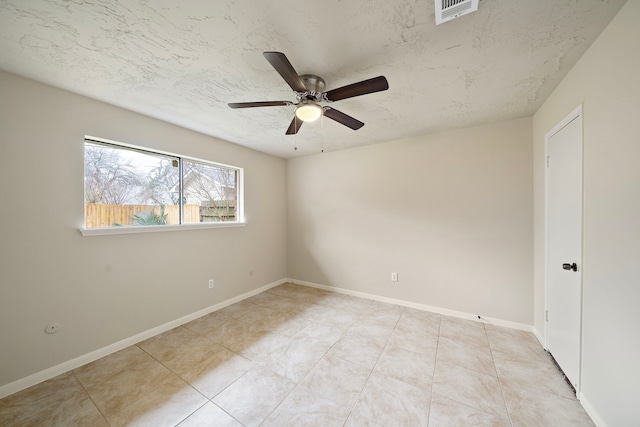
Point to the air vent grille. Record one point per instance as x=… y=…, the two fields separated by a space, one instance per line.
x=446 y=10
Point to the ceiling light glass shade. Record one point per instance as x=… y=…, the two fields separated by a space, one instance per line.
x=308 y=112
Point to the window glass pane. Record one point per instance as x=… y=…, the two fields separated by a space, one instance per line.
x=210 y=192
x=125 y=187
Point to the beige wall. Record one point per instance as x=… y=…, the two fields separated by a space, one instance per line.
x=605 y=80
x=450 y=213
x=107 y=288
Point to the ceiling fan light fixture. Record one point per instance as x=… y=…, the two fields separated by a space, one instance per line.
x=309 y=112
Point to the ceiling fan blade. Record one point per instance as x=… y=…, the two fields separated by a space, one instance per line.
x=342 y=118
x=282 y=65
x=258 y=104
x=294 y=127
x=364 y=87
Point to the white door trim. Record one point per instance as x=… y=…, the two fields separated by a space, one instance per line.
x=576 y=113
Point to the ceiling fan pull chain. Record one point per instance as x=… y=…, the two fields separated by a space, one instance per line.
x=322 y=133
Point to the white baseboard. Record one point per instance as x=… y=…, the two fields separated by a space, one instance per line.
x=54 y=371
x=447 y=312
x=595 y=417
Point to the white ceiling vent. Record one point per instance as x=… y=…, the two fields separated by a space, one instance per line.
x=446 y=10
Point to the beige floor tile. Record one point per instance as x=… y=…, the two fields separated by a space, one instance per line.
x=337 y=380
x=229 y=330
x=254 y=395
x=189 y=353
x=388 y=316
x=357 y=349
x=467 y=331
x=296 y=359
x=422 y=315
x=113 y=386
x=277 y=302
x=311 y=313
x=520 y=372
x=333 y=299
x=238 y=335
x=79 y=410
x=535 y=407
x=246 y=311
x=413 y=368
x=111 y=365
x=281 y=292
x=461 y=353
x=214 y=373
x=448 y=413
x=391 y=402
x=418 y=322
x=210 y=415
x=285 y=289
x=261 y=345
x=308 y=298
x=194 y=355
x=300 y=290
x=356 y=419
x=321 y=334
x=40 y=396
x=222 y=325
x=301 y=409
x=238 y=310
x=172 y=401
x=337 y=318
x=309 y=290
x=519 y=343
x=60 y=401
x=351 y=304
x=371 y=328
x=385 y=307
x=283 y=323
x=412 y=341
x=167 y=341
x=264 y=298
x=376 y=325
x=472 y=388
x=206 y=323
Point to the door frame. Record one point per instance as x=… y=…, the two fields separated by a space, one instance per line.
x=573 y=115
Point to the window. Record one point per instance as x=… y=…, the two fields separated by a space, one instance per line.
x=127 y=186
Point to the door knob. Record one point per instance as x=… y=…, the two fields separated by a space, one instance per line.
x=573 y=266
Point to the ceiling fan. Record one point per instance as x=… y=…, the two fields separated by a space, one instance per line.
x=309 y=90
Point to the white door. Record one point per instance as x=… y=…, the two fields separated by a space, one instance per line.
x=564 y=246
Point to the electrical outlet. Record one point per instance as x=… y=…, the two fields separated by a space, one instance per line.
x=211 y=283
x=394 y=277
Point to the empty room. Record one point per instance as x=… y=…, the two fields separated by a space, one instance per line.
x=340 y=213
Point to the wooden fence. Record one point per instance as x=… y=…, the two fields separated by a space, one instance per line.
x=100 y=215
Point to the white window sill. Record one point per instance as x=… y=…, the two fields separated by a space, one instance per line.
x=87 y=232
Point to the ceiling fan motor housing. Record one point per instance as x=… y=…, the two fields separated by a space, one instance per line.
x=313 y=83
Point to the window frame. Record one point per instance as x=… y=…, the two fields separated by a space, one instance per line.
x=101 y=231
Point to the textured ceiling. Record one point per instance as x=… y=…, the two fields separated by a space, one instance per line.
x=183 y=61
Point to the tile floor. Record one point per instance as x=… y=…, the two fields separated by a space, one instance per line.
x=300 y=356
